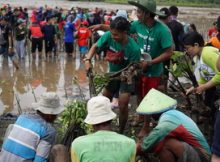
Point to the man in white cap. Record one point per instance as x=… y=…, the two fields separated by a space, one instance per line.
x=32 y=135
x=176 y=137
x=104 y=144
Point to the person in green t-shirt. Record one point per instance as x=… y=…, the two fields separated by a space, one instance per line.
x=153 y=38
x=103 y=144
x=127 y=50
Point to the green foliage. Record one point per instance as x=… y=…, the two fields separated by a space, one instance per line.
x=180 y=64
x=100 y=80
x=74 y=114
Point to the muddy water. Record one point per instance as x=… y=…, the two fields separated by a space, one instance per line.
x=22 y=87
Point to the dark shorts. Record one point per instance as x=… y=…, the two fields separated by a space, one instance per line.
x=115 y=86
x=69 y=47
x=37 y=43
x=49 y=45
x=4 y=52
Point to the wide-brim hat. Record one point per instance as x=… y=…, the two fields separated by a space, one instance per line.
x=99 y=110
x=49 y=103
x=156 y=102
x=147 y=5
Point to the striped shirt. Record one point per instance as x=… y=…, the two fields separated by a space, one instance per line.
x=30 y=139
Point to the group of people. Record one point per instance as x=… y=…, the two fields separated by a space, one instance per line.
x=176 y=137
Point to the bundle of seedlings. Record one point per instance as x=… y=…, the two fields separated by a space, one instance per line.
x=182 y=66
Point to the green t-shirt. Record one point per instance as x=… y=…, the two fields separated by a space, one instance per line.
x=153 y=41
x=207 y=66
x=131 y=50
x=103 y=146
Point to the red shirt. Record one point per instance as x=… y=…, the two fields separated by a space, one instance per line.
x=36 y=31
x=83 y=36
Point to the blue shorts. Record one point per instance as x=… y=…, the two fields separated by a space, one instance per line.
x=83 y=49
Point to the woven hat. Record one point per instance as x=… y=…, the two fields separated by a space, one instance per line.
x=147 y=5
x=99 y=110
x=156 y=102
x=49 y=103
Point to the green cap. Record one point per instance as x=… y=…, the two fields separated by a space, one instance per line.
x=147 y=5
x=156 y=102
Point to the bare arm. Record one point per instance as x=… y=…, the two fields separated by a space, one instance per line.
x=100 y=27
x=164 y=56
x=89 y=55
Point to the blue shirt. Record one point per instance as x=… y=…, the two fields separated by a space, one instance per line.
x=69 y=28
x=30 y=139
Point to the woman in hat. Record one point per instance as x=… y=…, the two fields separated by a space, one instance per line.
x=32 y=135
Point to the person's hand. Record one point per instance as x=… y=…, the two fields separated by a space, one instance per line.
x=95 y=27
x=190 y=90
x=88 y=64
x=145 y=64
x=200 y=89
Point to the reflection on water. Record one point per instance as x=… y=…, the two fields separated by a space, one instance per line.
x=22 y=87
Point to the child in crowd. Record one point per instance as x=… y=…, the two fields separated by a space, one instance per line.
x=83 y=34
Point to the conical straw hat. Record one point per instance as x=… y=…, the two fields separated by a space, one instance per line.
x=156 y=102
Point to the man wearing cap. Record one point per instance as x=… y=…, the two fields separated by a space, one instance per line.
x=32 y=135
x=104 y=144
x=153 y=38
x=176 y=137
